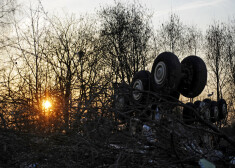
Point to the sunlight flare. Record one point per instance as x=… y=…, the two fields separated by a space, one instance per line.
x=46 y=104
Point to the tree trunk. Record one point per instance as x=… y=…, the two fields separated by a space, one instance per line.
x=217 y=86
x=66 y=98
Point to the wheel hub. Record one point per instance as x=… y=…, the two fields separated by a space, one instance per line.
x=138 y=87
x=160 y=73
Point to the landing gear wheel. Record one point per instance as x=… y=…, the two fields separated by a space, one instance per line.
x=206 y=103
x=207 y=114
x=214 y=111
x=197 y=104
x=188 y=115
x=223 y=112
x=195 y=76
x=198 y=107
x=165 y=73
x=204 y=109
x=140 y=87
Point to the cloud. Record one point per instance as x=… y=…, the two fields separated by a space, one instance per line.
x=198 y=4
x=192 y=5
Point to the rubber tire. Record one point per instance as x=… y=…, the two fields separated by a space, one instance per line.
x=198 y=79
x=197 y=104
x=173 y=72
x=198 y=107
x=212 y=108
x=220 y=104
x=144 y=77
x=188 y=116
x=207 y=101
x=208 y=105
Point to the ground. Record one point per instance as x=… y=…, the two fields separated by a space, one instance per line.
x=99 y=149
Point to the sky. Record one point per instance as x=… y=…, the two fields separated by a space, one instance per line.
x=200 y=13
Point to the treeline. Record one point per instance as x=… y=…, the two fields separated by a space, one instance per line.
x=74 y=62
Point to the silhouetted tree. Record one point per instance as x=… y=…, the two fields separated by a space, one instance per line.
x=193 y=40
x=215 y=55
x=73 y=57
x=230 y=60
x=7 y=10
x=125 y=35
x=170 y=36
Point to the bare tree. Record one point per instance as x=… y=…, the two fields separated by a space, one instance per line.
x=170 y=36
x=125 y=36
x=73 y=58
x=230 y=61
x=29 y=45
x=193 y=40
x=7 y=9
x=215 y=48
x=27 y=67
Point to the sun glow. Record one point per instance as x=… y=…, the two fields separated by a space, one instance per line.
x=46 y=104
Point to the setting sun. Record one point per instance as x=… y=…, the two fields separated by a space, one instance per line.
x=46 y=104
